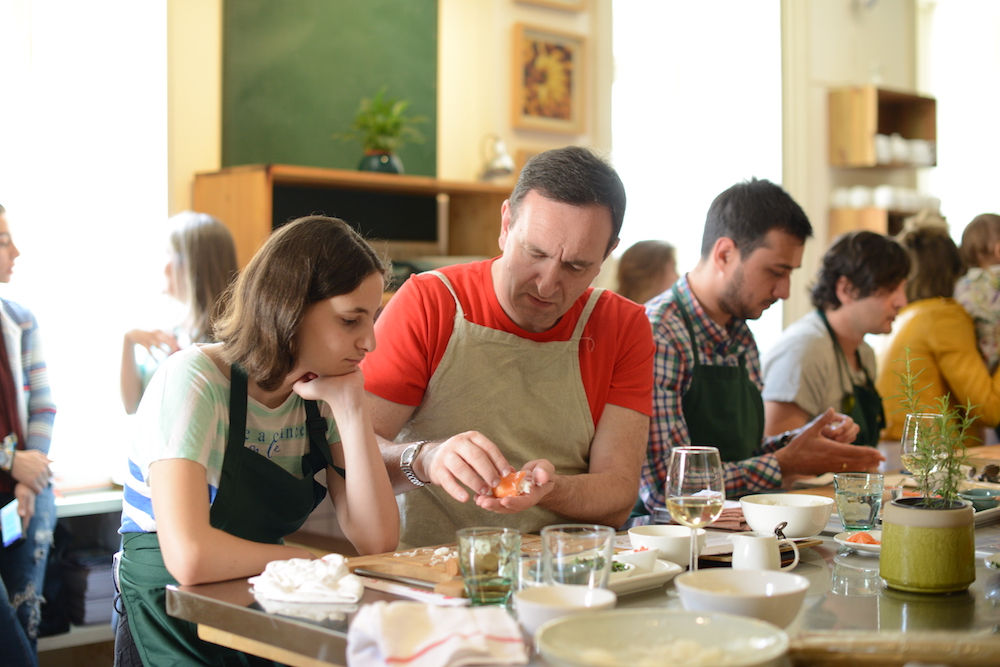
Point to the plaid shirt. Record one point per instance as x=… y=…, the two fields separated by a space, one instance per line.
x=672 y=371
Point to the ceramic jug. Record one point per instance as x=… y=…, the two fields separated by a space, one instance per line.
x=760 y=552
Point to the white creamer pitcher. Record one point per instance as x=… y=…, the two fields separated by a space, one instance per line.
x=760 y=552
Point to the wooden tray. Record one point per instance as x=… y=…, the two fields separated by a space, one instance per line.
x=786 y=552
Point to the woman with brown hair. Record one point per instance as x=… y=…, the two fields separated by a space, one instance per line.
x=938 y=332
x=201 y=262
x=230 y=435
x=646 y=269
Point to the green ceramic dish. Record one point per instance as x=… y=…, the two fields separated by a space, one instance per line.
x=981 y=499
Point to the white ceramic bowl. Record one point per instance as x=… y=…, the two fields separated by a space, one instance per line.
x=643 y=560
x=630 y=637
x=806 y=515
x=539 y=604
x=673 y=543
x=766 y=595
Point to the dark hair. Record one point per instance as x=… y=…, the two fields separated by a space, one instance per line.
x=978 y=239
x=749 y=210
x=573 y=175
x=935 y=261
x=204 y=257
x=870 y=261
x=306 y=261
x=640 y=268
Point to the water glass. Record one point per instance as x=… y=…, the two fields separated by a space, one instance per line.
x=859 y=499
x=577 y=554
x=489 y=559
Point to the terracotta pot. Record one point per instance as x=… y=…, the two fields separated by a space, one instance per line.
x=928 y=550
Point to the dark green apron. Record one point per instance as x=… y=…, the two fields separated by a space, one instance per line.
x=722 y=407
x=256 y=500
x=863 y=404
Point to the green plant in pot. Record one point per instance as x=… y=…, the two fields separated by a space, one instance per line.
x=928 y=542
x=382 y=128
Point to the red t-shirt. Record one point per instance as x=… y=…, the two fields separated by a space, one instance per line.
x=616 y=354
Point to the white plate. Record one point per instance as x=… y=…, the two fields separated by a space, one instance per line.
x=993 y=561
x=628 y=637
x=987 y=516
x=663 y=571
x=873 y=549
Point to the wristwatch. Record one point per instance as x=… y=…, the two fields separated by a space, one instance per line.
x=7 y=448
x=406 y=460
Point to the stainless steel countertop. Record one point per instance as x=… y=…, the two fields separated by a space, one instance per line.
x=847 y=603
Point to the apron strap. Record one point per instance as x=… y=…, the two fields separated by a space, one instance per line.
x=687 y=323
x=317 y=425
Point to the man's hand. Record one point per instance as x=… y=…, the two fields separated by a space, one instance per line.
x=542 y=476
x=813 y=452
x=25 y=505
x=468 y=458
x=31 y=468
x=842 y=429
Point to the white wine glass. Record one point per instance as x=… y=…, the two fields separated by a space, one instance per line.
x=921 y=448
x=696 y=490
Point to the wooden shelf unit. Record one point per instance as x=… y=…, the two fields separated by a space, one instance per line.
x=243 y=197
x=873 y=219
x=858 y=113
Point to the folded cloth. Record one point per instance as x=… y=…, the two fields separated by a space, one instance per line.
x=731 y=519
x=325 y=580
x=422 y=635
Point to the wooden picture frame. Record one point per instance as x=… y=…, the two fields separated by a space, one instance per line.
x=565 y=5
x=548 y=80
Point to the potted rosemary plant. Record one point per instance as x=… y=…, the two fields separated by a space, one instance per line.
x=382 y=128
x=928 y=542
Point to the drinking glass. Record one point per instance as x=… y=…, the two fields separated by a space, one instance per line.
x=696 y=490
x=859 y=499
x=577 y=554
x=922 y=439
x=489 y=559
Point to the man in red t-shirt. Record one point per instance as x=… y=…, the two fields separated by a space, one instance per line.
x=517 y=363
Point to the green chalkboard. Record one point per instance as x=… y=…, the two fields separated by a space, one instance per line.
x=294 y=72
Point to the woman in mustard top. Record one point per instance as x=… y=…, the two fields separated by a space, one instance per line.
x=939 y=333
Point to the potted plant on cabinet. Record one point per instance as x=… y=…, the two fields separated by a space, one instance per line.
x=382 y=128
x=928 y=542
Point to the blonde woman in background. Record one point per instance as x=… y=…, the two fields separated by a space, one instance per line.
x=939 y=334
x=646 y=269
x=201 y=263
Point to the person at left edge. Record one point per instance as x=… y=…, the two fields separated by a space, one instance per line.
x=27 y=413
x=229 y=436
x=516 y=362
x=822 y=361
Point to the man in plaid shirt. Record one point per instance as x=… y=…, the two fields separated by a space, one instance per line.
x=707 y=379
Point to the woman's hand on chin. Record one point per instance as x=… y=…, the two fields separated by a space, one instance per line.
x=340 y=391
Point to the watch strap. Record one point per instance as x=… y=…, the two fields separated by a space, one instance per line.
x=406 y=460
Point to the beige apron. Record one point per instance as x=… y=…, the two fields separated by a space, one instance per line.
x=525 y=396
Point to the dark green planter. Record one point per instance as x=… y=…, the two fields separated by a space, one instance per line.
x=384 y=162
x=928 y=550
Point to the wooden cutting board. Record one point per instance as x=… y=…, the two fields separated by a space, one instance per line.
x=436 y=565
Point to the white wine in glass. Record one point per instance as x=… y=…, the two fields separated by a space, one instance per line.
x=921 y=450
x=696 y=490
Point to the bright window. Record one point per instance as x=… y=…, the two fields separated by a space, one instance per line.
x=83 y=179
x=696 y=108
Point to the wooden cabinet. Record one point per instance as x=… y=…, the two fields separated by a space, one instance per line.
x=875 y=129
x=858 y=113
x=404 y=216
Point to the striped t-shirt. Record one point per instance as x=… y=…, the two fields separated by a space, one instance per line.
x=184 y=414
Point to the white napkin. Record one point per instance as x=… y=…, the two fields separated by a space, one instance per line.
x=325 y=580
x=421 y=635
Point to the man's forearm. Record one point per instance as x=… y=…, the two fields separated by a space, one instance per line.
x=593 y=498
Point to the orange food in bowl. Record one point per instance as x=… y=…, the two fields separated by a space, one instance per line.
x=514 y=484
x=862 y=538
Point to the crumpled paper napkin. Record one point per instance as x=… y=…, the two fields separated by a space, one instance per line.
x=415 y=634
x=325 y=580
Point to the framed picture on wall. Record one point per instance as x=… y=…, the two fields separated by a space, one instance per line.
x=548 y=80
x=568 y=5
